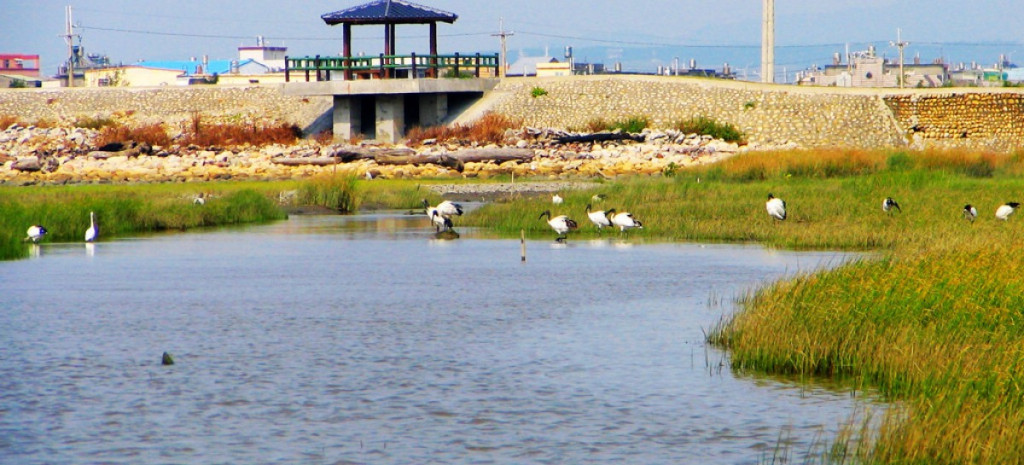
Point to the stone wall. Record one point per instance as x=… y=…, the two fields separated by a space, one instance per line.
x=170 y=104
x=990 y=120
x=775 y=114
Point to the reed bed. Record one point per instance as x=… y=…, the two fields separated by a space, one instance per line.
x=124 y=210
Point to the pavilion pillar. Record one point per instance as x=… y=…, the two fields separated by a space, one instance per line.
x=390 y=123
x=433 y=109
x=433 y=50
x=346 y=34
x=387 y=51
x=347 y=119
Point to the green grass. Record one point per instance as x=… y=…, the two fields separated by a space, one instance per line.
x=933 y=319
x=120 y=211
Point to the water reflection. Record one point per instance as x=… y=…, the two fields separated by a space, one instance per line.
x=365 y=339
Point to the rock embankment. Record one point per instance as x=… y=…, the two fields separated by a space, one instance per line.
x=32 y=155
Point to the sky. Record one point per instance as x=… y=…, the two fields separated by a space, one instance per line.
x=642 y=34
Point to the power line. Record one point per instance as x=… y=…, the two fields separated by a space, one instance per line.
x=222 y=36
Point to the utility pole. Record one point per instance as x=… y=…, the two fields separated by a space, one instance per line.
x=69 y=37
x=768 y=42
x=504 y=51
x=900 y=44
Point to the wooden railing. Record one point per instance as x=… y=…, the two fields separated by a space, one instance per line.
x=318 y=68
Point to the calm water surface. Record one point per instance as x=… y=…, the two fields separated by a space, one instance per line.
x=363 y=339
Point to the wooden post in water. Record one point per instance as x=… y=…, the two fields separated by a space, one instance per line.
x=522 y=245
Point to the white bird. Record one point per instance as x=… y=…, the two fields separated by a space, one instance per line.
x=1005 y=210
x=35 y=233
x=561 y=224
x=625 y=220
x=600 y=217
x=889 y=203
x=776 y=207
x=199 y=200
x=440 y=223
x=970 y=212
x=449 y=209
x=556 y=199
x=93 y=231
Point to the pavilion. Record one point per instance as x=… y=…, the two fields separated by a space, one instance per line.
x=390 y=13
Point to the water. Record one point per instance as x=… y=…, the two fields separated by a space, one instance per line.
x=326 y=339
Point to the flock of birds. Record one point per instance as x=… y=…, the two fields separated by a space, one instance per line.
x=36 y=232
x=777 y=209
x=441 y=217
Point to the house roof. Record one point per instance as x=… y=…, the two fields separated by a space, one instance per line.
x=389 y=12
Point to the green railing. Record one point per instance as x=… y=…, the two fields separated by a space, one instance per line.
x=320 y=68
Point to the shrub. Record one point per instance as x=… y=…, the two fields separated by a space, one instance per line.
x=598 y=124
x=93 y=123
x=152 y=134
x=7 y=120
x=324 y=137
x=235 y=134
x=538 y=92
x=489 y=129
x=633 y=124
x=707 y=126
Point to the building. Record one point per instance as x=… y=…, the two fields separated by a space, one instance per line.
x=13 y=64
x=255 y=65
x=272 y=57
x=866 y=69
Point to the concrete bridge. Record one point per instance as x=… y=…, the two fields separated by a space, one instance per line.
x=384 y=109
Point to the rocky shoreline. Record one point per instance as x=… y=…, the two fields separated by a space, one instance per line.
x=67 y=155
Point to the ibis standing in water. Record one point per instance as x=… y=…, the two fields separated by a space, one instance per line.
x=625 y=221
x=440 y=223
x=889 y=203
x=776 y=207
x=35 y=233
x=93 y=231
x=561 y=224
x=970 y=212
x=600 y=217
x=1005 y=210
x=448 y=208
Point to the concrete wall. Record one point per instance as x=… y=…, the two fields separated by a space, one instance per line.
x=809 y=116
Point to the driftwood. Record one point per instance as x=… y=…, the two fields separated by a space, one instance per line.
x=456 y=160
x=299 y=161
x=598 y=137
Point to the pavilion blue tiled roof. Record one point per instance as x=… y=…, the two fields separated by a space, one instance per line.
x=389 y=12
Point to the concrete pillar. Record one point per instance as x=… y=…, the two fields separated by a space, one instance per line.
x=433 y=109
x=390 y=118
x=768 y=42
x=347 y=118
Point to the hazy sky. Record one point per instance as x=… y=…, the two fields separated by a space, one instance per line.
x=130 y=30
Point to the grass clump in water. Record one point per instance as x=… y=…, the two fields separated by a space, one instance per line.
x=336 y=192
